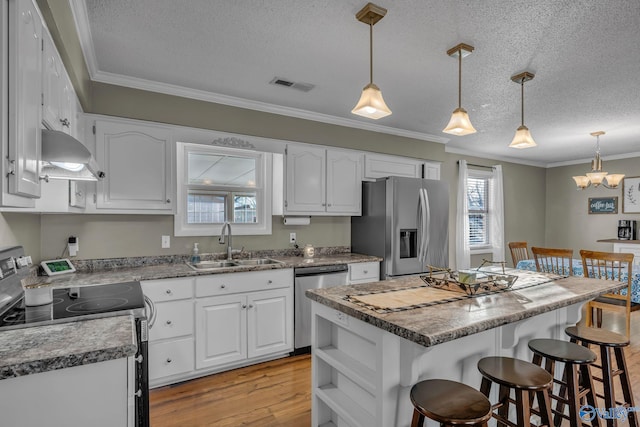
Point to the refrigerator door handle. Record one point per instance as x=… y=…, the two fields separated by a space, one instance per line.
x=423 y=213
x=427 y=224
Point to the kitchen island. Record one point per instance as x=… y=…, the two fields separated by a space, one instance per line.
x=366 y=357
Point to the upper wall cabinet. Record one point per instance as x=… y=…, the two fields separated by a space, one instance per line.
x=380 y=166
x=322 y=181
x=25 y=90
x=59 y=104
x=138 y=162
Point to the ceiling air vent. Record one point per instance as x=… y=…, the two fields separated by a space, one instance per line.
x=304 y=87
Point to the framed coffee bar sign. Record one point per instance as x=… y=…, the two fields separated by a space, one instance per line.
x=603 y=205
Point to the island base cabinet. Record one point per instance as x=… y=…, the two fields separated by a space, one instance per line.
x=93 y=395
x=362 y=375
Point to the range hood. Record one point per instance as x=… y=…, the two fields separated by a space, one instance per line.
x=64 y=157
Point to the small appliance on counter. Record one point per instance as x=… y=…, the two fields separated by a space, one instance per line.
x=627 y=229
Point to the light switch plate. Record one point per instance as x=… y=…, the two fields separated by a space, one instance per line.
x=166 y=242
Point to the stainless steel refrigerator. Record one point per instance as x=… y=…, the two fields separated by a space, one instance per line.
x=406 y=222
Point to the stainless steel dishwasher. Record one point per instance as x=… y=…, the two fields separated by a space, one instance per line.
x=325 y=276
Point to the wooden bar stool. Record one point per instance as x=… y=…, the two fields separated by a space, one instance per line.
x=608 y=341
x=576 y=384
x=450 y=403
x=526 y=380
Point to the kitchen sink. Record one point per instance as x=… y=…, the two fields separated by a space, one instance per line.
x=211 y=265
x=216 y=265
x=257 y=261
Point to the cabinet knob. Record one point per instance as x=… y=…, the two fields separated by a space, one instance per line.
x=244 y=305
x=329 y=205
x=168 y=291
x=365 y=271
x=324 y=204
x=250 y=305
x=169 y=360
x=269 y=281
x=65 y=122
x=223 y=286
x=168 y=322
x=168 y=200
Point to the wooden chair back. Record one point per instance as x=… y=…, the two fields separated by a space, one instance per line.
x=519 y=252
x=552 y=260
x=609 y=266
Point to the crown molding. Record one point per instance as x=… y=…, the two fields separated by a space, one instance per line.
x=453 y=150
x=81 y=19
x=582 y=161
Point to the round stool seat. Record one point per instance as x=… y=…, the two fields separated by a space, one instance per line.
x=597 y=336
x=450 y=402
x=514 y=373
x=562 y=351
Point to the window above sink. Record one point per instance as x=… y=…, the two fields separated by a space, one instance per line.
x=217 y=185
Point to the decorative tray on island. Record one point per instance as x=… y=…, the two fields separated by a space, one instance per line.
x=470 y=282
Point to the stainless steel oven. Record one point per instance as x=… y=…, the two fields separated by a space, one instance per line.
x=79 y=303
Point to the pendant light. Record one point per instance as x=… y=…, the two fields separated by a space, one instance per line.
x=460 y=124
x=371 y=104
x=522 y=138
x=597 y=176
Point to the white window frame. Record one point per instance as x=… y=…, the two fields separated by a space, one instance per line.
x=487 y=247
x=263 y=191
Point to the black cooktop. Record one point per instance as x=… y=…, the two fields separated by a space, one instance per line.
x=78 y=302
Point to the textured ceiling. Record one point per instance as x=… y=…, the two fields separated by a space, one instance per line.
x=584 y=53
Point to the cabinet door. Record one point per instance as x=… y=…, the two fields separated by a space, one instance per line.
x=138 y=162
x=344 y=183
x=25 y=89
x=221 y=330
x=270 y=318
x=67 y=111
x=380 y=166
x=305 y=180
x=432 y=170
x=51 y=83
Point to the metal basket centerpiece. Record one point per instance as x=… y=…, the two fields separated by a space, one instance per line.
x=470 y=282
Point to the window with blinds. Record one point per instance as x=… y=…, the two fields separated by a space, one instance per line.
x=477 y=201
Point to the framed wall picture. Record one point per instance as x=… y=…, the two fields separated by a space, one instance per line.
x=631 y=194
x=603 y=205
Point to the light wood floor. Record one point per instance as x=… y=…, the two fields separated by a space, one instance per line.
x=278 y=393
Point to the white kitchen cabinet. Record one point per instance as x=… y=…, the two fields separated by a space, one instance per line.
x=94 y=395
x=138 y=162
x=171 y=338
x=321 y=181
x=364 y=272
x=382 y=165
x=25 y=90
x=630 y=248
x=243 y=317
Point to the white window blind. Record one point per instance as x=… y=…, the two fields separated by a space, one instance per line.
x=478 y=210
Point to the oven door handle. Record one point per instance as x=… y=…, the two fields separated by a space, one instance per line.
x=152 y=311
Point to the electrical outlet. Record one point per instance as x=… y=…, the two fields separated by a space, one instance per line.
x=292 y=237
x=166 y=242
x=342 y=318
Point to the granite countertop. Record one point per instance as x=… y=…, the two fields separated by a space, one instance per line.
x=448 y=321
x=38 y=349
x=167 y=270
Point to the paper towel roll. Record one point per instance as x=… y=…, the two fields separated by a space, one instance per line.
x=297 y=220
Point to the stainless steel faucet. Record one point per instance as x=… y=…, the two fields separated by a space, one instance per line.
x=226 y=226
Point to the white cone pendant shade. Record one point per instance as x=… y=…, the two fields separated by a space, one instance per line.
x=522 y=138
x=582 y=181
x=371 y=103
x=459 y=124
x=614 y=180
